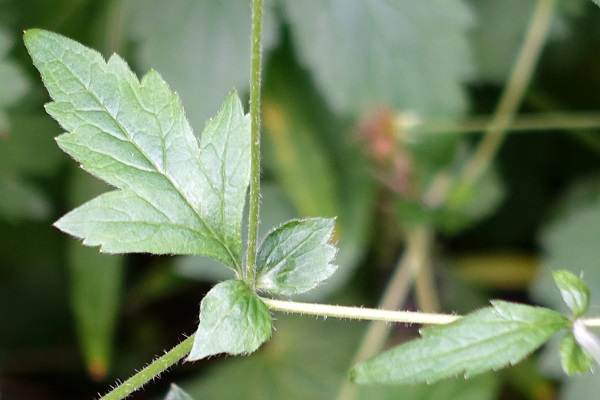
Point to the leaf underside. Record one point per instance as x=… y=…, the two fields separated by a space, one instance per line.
x=295 y=257
x=176 y=196
x=488 y=339
x=233 y=320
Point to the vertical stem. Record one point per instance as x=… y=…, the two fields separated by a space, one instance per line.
x=253 y=204
x=513 y=94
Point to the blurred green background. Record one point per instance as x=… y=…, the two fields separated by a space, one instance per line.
x=367 y=106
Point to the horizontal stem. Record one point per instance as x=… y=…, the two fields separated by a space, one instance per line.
x=591 y=322
x=370 y=314
x=375 y=314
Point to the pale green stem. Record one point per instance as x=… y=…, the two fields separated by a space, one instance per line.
x=375 y=314
x=178 y=352
x=254 y=197
x=151 y=371
x=513 y=94
x=591 y=322
x=359 y=313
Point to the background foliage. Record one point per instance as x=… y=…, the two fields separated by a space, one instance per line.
x=340 y=74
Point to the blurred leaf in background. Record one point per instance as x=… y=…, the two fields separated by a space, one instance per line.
x=201 y=48
x=96 y=282
x=27 y=153
x=404 y=54
x=570 y=242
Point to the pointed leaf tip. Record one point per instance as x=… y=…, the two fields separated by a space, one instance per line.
x=233 y=320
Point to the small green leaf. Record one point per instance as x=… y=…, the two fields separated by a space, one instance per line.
x=296 y=256
x=573 y=291
x=176 y=393
x=176 y=196
x=233 y=320
x=488 y=339
x=574 y=359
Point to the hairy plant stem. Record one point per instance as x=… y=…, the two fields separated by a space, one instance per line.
x=151 y=371
x=254 y=197
x=513 y=94
x=173 y=356
x=359 y=313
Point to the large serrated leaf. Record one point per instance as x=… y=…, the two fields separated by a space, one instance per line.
x=365 y=53
x=488 y=339
x=295 y=257
x=233 y=320
x=176 y=196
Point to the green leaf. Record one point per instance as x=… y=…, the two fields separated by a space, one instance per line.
x=488 y=339
x=308 y=359
x=296 y=256
x=569 y=241
x=573 y=291
x=573 y=358
x=176 y=393
x=365 y=53
x=233 y=320
x=176 y=196
x=96 y=282
x=313 y=156
x=206 y=55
